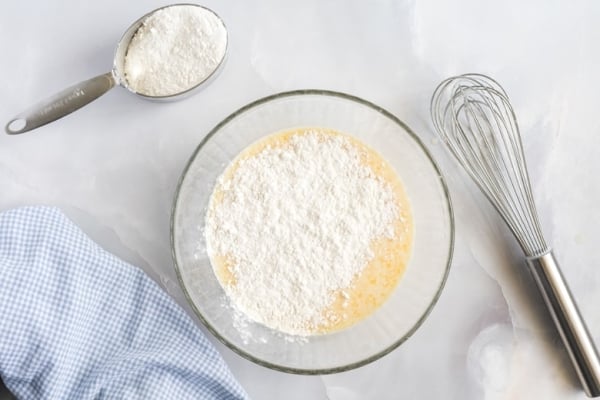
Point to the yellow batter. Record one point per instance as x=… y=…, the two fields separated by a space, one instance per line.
x=369 y=289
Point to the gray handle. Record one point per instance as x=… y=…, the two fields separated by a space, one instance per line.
x=569 y=323
x=61 y=104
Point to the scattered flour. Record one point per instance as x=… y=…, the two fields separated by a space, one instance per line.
x=175 y=49
x=295 y=223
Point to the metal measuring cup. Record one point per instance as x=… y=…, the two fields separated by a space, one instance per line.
x=82 y=93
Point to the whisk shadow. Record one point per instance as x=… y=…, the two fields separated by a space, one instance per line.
x=494 y=245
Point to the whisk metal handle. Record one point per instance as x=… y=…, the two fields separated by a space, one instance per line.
x=569 y=323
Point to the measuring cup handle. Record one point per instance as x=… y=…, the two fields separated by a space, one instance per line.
x=570 y=325
x=61 y=104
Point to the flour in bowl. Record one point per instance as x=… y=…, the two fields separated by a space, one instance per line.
x=308 y=231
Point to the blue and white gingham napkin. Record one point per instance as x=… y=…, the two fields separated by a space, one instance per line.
x=78 y=323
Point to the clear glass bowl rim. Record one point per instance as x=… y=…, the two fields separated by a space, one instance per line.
x=376 y=108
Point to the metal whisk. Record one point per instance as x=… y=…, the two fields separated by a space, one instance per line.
x=473 y=117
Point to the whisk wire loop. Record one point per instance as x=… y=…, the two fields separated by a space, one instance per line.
x=474 y=118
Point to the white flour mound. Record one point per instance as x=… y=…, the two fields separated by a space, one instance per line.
x=297 y=222
x=175 y=49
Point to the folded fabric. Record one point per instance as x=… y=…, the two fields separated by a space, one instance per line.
x=78 y=323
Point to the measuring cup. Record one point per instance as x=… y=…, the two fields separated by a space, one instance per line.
x=82 y=93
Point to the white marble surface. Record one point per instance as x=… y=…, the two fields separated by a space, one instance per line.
x=113 y=165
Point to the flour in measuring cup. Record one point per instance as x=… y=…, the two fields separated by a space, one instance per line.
x=175 y=49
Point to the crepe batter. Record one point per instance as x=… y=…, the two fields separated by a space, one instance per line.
x=308 y=231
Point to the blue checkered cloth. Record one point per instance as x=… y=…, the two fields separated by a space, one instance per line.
x=78 y=323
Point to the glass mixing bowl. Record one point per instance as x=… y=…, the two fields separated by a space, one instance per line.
x=418 y=289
